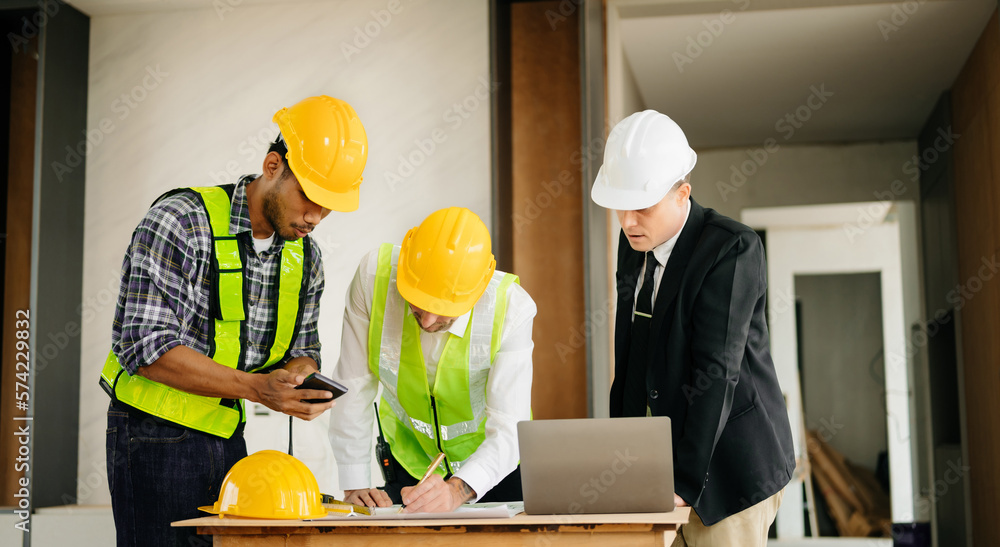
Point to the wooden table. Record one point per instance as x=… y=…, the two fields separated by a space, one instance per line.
x=656 y=529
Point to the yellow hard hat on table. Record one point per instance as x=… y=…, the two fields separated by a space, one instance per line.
x=327 y=150
x=269 y=485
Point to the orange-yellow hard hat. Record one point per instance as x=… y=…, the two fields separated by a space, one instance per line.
x=269 y=485
x=446 y=263
x=327 y=150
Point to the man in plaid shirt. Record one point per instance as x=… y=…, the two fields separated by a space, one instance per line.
x=188 y=346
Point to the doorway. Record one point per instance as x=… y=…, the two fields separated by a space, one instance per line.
x=818 y=245
x=841 y=366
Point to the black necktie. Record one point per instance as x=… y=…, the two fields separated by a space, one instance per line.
x=638 y=354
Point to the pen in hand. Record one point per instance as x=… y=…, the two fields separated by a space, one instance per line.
x=430 y=471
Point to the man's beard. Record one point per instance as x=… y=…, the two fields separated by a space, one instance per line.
x=274 y=212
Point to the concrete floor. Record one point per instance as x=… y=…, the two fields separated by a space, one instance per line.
x=81 y=525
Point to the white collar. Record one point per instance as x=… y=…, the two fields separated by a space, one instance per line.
x=461 y=323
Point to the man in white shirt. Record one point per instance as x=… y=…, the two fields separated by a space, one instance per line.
x=449 y=340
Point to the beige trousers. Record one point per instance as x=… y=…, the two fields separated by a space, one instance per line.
x=748 y=528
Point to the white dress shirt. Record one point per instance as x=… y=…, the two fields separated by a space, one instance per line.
x=508 y=389
x=662 y=253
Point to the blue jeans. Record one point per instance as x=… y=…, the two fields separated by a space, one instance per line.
x=159 y=472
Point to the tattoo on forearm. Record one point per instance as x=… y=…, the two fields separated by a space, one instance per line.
x=465 y=492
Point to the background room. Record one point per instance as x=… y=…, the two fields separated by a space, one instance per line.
x=856 y=136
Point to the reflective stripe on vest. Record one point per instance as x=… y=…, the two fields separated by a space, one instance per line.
x=211 y=414
x=419 y=420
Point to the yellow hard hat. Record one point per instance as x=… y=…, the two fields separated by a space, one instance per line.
x=269 y=485
x=446 y=263
x=327 y=150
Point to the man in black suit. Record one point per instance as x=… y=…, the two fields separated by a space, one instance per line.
x=691 y=339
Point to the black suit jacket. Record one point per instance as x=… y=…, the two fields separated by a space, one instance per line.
x=709 y=366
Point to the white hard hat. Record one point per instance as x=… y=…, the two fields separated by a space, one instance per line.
x=646 y=154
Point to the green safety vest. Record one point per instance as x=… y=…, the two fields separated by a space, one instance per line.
x=213 y=415
x=420 y=420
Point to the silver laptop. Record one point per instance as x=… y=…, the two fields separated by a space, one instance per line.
x=599 y=465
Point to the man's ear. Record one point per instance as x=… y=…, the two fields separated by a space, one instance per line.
x=272 y=165
x=683 y=193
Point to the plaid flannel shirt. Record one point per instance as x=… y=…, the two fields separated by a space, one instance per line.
x=166 y=285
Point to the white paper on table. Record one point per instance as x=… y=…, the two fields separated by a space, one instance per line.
x=468 y=511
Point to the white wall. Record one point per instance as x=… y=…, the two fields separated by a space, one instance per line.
x=632 y=97
x=204 y=85
x=777 y=175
